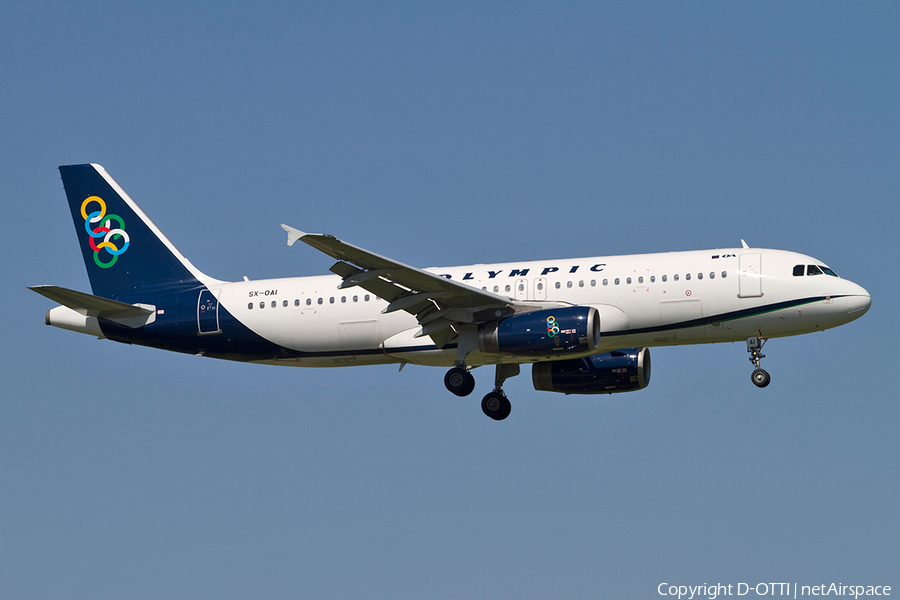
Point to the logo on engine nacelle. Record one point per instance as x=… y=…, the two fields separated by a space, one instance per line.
x=552 y=327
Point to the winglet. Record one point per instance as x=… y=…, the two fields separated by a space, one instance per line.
x=293 y=234
x=743 y=243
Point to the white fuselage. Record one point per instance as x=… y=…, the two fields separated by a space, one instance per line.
x=648 y=300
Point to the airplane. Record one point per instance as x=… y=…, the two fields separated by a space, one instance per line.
x=585 y=324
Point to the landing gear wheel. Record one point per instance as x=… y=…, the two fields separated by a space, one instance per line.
x=760 y=378
x=459 y=381
x=496 y=406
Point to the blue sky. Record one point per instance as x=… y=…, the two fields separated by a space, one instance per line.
x=441 y=135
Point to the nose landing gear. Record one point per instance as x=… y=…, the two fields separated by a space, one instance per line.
x=760 y=376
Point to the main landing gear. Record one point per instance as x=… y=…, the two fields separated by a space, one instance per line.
x=495 y=404
x=759 y=376
x=459 y=381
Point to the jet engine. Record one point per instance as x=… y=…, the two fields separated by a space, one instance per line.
x=618 y=371
x=543 y=332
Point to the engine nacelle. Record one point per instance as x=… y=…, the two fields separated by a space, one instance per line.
x=607 y=373
x=543 y=332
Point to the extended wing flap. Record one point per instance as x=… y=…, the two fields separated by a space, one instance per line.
x=439 y=304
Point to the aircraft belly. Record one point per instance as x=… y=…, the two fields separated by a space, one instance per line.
x=299 y=332
x=404 y=346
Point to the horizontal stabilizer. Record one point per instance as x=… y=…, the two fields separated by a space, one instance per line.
x=94 y=306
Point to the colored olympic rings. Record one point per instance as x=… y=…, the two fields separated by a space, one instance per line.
x=104 y=229
x=100 y=212
x=552 y=327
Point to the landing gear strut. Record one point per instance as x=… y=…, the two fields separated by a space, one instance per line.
x=759 y=376
x=496 y=405
x=459 y=381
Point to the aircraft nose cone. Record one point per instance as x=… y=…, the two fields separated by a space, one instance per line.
x=858 y=305
x=858 y=302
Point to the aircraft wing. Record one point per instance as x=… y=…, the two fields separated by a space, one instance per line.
x=438 y=303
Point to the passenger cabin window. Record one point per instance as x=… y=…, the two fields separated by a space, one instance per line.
x=813 y=270
x=798 y=270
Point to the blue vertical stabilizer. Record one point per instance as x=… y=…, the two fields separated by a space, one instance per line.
x=124 y=252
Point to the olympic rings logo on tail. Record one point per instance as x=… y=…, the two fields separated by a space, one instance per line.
x=552 y=327
x=105 y=230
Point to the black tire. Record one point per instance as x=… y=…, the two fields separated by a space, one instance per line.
x=496 y=406
x=760 y=378
x=459 y=381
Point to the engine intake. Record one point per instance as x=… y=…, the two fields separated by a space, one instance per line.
x=618 y=371
x=543 y=332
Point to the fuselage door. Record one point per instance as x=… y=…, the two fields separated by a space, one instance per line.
x=540 y=288
x=673 y=314
x=208 y=312
x=750 y=276
x=521 y=289
x=359 y=336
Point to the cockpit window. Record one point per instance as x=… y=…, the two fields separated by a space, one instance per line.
x=813 y=270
